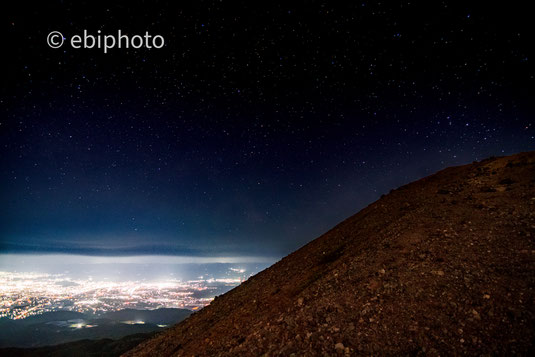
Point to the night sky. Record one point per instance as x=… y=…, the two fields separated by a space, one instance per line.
x=254 y=129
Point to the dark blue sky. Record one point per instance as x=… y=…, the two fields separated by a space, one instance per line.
x=253 y=130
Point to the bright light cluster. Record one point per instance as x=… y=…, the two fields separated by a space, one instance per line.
x=26 y=294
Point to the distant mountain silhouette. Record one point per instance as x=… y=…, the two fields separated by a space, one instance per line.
x=56 y=327
x=49 y=317
x=159 y=316
x=83 y=348
x=444 y=265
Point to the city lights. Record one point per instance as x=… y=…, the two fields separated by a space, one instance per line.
x=26 y=294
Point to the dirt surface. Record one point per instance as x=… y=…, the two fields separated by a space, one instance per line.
x=444 y=265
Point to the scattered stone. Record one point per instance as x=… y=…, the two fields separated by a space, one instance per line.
x=339 y=347
x=300 y=301
x=476 y=314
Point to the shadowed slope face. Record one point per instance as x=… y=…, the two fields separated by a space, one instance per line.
x=444 y=264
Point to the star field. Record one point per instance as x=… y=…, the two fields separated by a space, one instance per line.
x=255 y=129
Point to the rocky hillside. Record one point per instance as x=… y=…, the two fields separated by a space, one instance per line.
x=444 y=265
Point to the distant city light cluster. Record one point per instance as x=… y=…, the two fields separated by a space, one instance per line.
x=26 y=294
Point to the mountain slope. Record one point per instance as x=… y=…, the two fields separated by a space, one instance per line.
x=442 y=265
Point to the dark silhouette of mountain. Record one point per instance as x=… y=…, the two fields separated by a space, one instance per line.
x=444 y=265
x=84 y=348
x=50 y=317
x=159 y=316
x=58 y=327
